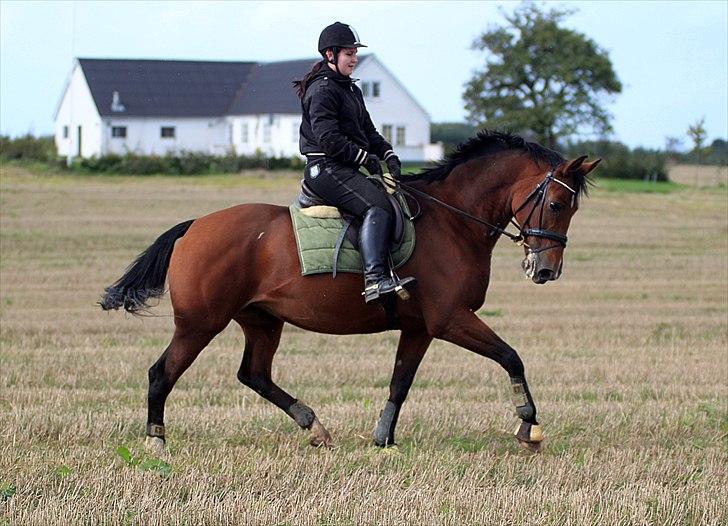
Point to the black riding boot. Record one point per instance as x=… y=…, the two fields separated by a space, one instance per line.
x=374 y=249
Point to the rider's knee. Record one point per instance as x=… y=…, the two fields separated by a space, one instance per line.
x=383 y=209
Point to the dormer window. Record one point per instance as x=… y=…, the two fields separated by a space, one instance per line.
x=116 y=105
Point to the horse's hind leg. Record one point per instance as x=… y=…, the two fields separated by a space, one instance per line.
x=185 y=346
x=262 y=335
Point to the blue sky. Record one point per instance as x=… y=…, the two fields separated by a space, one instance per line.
x=672 y=57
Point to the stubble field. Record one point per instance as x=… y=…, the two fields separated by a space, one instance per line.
x=626 y=355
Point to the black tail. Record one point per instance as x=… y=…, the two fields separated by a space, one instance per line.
x=145 y=277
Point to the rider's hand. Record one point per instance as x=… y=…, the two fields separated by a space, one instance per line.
x=372 y=164
x=394 y=166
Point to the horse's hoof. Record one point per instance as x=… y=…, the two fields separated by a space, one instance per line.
x=530 y=436
x=531 y=447
x=154 y=446
x=320 y=437
x=384 y=442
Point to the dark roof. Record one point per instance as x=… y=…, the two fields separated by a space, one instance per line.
x=189 y=88
x=169 y=88
x=269 y=89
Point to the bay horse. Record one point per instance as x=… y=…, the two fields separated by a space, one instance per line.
x=241 y=264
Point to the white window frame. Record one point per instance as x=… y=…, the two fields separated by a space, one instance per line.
x=387 y=132
x=399 y=129
x=376 y=90
x=124 y=128
x=174 y=132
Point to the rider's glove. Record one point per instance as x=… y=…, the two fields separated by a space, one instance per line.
x=393 y=164
x=372 y=164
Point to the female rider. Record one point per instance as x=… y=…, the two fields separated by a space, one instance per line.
x=338 y=138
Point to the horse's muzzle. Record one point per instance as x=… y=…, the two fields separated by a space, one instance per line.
x=544 y=275
x=534 y=268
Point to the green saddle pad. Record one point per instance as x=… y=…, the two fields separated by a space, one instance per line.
x=316 y=238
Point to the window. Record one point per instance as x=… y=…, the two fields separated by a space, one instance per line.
x=295 y=126
x=400 y=135
x=375 y=90
x=65 y=132
x=266 y=132
x=365 y=89
x=244 y=132
x=387 y=132
x=118 y=131
x=167 y=132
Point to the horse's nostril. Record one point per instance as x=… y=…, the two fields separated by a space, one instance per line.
x=545 y=274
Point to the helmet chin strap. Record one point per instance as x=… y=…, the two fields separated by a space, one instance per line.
x=335 y=59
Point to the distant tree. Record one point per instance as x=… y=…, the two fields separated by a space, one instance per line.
x=541 y=79
x=697 y=134
x=673 y=146
x=719 y=152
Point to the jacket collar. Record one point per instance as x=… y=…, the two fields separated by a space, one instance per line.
x=334 y=75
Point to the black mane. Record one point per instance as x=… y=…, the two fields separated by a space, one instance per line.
x=487 y=142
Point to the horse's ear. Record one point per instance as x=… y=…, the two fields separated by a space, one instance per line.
x=588 y=167
x=575 y=164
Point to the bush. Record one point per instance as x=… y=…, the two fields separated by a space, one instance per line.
x=451 y=133
x=186 y=163
x=619 y=162
x=28 y=148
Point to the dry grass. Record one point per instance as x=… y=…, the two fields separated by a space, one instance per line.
x=626 y=356
x=697 y=175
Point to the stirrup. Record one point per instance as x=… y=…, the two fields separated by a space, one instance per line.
x=374 y=291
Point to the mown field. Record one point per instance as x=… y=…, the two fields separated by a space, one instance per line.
x=697 y=175
x=627 y=358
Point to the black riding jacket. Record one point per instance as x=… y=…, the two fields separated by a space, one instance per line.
x=336 y=122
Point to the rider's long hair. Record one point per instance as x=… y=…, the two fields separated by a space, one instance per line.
x=301 y=85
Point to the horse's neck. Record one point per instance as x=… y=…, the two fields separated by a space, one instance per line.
x=483 y=189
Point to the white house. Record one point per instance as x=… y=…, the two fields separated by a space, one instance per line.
x=170 y=106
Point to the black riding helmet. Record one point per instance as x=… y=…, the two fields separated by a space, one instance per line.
x=335 y=37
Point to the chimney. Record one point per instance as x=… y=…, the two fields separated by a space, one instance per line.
x=116 y=105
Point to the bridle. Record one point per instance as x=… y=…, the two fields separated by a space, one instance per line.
x=537 y=196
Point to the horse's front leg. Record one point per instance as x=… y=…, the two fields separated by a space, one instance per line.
x=466 y=330
x=411 y=349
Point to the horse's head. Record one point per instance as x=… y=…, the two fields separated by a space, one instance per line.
x=544 y=208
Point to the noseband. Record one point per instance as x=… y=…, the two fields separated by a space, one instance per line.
x=537 y=196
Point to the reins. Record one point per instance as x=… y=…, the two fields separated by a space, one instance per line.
x=538 y=193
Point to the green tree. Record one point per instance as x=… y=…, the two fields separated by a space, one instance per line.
x=540 y=78
x=697 y=134
x=451 y=133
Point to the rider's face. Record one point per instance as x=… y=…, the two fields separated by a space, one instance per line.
x=347 y=60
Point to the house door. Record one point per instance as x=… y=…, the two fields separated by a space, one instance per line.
x=79 y=142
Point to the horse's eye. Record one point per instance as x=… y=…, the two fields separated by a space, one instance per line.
x=554 y=207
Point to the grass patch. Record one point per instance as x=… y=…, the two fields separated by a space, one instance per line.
x=640 y=187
